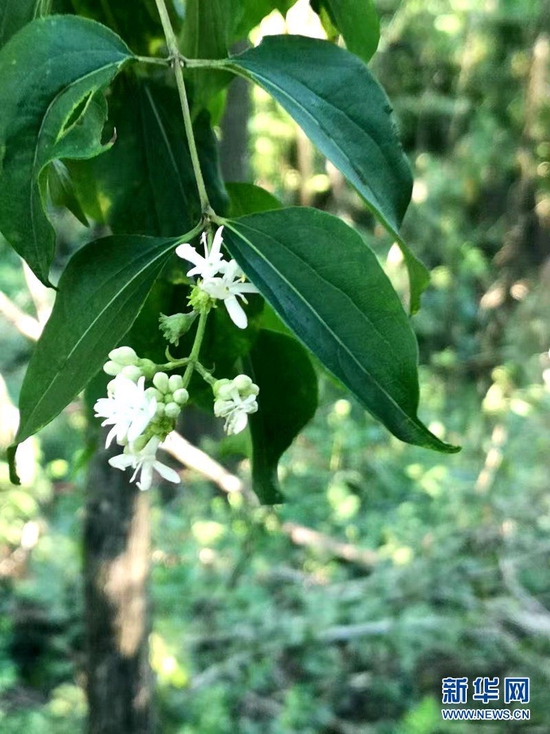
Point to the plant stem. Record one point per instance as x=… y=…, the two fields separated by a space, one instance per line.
x=172 y=43
x=194 y=356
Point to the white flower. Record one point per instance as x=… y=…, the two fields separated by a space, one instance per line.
x=228 y=288
x=235 y=401
x=127 y=408
x=144 y=461
x=212 y=263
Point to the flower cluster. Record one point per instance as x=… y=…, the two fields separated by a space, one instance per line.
x=143 y=402
x=140 y=417
x=219 y=279
x=235 y=400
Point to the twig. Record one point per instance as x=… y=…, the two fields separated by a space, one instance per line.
x=194 y=458
x=26 y=325
x=302 y=535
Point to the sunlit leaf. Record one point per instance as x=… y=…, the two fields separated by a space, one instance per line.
x=45 y=94
x=357 y=21
x=333 y=96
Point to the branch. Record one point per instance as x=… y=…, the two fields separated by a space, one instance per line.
x=302 y=535
x=25 y=324
x=194 y=458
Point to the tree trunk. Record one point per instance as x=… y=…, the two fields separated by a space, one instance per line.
x=116 y=558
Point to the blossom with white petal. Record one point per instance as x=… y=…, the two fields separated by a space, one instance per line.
x=144 y=462
x=212 y=263
x=229 y=288
x=235 y=401
x=127 y=408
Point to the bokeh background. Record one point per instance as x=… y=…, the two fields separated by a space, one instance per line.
x=390 y=567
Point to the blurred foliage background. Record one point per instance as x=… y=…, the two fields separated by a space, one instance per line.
x=390 y=567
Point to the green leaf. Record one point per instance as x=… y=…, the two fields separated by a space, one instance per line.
x=327 y=285
x=245 y=198
x=357 y=21
x=146 y=184
x=14 y=14
x=248 y=13
x=333 y=96
x=61 y=191
x=205 y=35
x=282 y=369
x=137 y=22
x=50 y=73
x=100 y=294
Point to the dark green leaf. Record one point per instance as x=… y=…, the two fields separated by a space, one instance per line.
x=100 y=294
x=248 y=13
x=282 y=369
x=245 y=198
x=146 y=183
x=333 y=96
x=61 y=190
x=357 y=21
x=206 y=30
x=14 y=14
x=328 y=286
x=137 y=22
x=50 y=70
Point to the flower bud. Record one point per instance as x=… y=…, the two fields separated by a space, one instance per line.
x=161 y=409
x=147 y=367
x=180 y=396
x=221 y=386
x=177 y=325
x=124 y=356
x=112 y=368
x=152 y=392
x=243 y=383
x=161 y=382
x=200 y=301
x=172 y=410
x=175 y=382
x=131 y=372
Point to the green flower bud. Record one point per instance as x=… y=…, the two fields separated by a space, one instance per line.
x=220 y=386
x=181 y=396
x=112 y=368
x=161 y=410
x=152 y=392
x=161 y=382
x=124 y=356
x=175 y=382
x=175 y=326
x=147 y=367
x=131 y=372
x=200 y=301
x=243 y=383
x=172 y=410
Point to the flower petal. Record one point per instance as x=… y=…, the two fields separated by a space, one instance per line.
x=167 y=472
x=146 y=478
x=236 y=312
x=122 y=461
x=215 y=252
x=188 y=252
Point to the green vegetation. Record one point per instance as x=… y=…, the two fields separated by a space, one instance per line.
x=390 y=567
